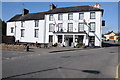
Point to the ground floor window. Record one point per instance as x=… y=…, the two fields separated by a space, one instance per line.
x=60 y=38
x=50 y=38
x=92 y=39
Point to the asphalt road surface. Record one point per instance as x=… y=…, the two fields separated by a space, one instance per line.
x=91 y=63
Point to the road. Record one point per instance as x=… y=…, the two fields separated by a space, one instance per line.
x=91 y=63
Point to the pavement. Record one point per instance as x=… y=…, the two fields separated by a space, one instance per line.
x=88 y=63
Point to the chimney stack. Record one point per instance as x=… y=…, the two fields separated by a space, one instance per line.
x=24 y=12
x=97 y=5
x=52 y=6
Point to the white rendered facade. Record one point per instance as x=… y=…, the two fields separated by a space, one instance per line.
x=64 y=37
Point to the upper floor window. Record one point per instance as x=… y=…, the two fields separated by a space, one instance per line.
x=22 y=23
x=60 y=16
x=92 y=15
x=92 y=26
x=36 y=33
x=80 y=27
x=12 y=29
x=51 y=27
x=70 y=16
x=36 y=23
x=70 y=27
x=60 y=27
x=22 y=32
x=81 y=16
x=51 y=17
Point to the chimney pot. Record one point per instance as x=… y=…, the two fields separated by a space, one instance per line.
x=97 y=5
x=52 y=6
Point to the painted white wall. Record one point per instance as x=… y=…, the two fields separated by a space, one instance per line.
x=44 y=33
x=9 y=25
x=29 y=27
x=76 y=21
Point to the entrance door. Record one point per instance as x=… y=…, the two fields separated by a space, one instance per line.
x=70 y=41
x=80 y=39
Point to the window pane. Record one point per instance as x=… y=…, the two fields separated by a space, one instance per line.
x=36 y=33
x=22 y=32
x=60 y=16
x=70 y=16
x=51 y=28
x=50 y=38
x=60 y=27
x=51 y=17
x=92 y=26
x=81 y=16
x=70 y=27
x=81 y=27
x=22 y=23
x=92 y=15
x=36 y=23
x=12 y=29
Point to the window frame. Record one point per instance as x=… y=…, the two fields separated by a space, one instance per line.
x=60 y=16
x=22 y=32
x=36 y=23
x=91 y=15
x=12 y=29
x=70 y=16
x=52 y=27
x=94 y=27
x=36 y=33
x=51 y=17
x=60 y=28
x=22 y=23
x=79 y=27
x=80 y=17
x=69 y=27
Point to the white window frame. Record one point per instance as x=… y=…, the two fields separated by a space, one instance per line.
x=81 y=16
x=12 y=29
x=36 y=33
x=36 y=23
x=60 y=16
x=70 y=27
x=51 y=17
x=22 y=32
x=70 y=16
x=60 y=27
x=22 y=23
x=92 y=26
x=81 y=27
x=51 y=27
x=92 y=15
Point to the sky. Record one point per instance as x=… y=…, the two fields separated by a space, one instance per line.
x=10 y=9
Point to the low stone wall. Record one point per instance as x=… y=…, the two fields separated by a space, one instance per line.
x=12 y=47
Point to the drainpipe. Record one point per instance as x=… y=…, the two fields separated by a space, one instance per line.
x=45 y=29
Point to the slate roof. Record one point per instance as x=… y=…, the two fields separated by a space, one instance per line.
x=40 y=15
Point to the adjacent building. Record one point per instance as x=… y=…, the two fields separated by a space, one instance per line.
x=65 y=25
